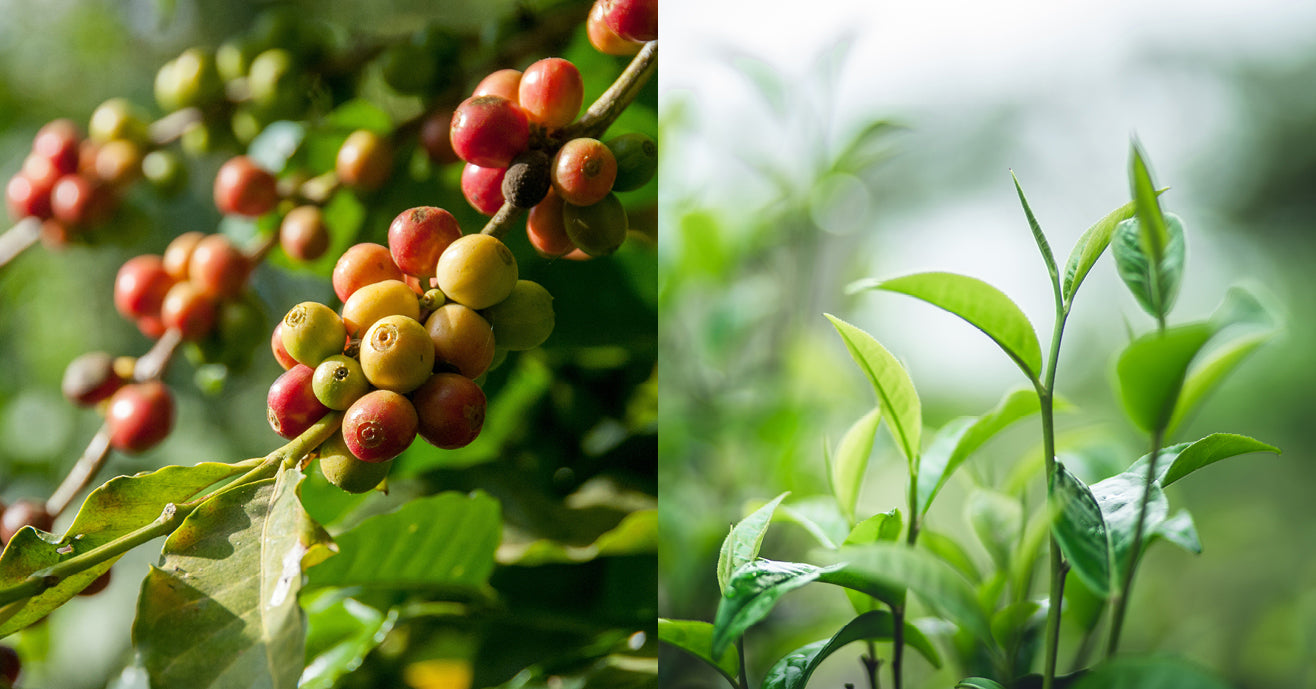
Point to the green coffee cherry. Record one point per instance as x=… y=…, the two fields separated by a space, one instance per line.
x=339 y=381
x=346 y=471
x=598 y=230
x=637 y=160
x=190 y=79
x=397 y=354
x=118 y=118
x=523 y=320
x=165 y=171
x=312 y=332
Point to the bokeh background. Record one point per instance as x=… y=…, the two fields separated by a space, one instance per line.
x=569 y=452
x=809 y=146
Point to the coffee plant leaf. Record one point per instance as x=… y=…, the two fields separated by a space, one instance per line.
x=982 y=305
x=752 y=592
x=1154 y=284
x=120 y=506
x=636 y=533
x=1151 y=370
x=741 y=546
x=1080 y=530
x=794 y=669
x=850 y=461
x=444 y=543
x=220 y=610
x=1149 y=672
x=1205 y=375
x=277 y=144
x=340 y=632
x=958 y=439
x=1039 y=237
x=696 y=638
x=359 y=113
x=895 y=391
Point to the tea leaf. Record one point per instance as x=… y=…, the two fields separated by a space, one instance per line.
x=751 y=593
x=1038 y=236
x=1154 y=284
x=1151 y=372
x=1080 y=530
x=1149 y=672
x=1205 y=376
x=794 y=669
x=741 y=546
x=958 y=439
x=1209 y=450
x=696 y=637
x=895 y=391
x=851 y=459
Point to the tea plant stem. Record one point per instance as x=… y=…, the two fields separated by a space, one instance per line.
x=740 y=649
x=1135 y=550
x=1046 y=408
x=871 y=665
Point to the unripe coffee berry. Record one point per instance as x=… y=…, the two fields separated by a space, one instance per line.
x=462 y=339
x=597 y=230
x=165 y=171
x=489 y=131
x=637 y=160
x=303 y=234
x=450 y=408
x=118 y=118
x=546 y=229
x=583 y=171
x=25 y=513
x=189 y=311
x=139 y=416
x=418 y=236
x=244 y=188
x=291 y=404
x=379 y=426
x=483 y=187
x=551 y=92
x=344 y=470
x=364 y=160
x=397 y=354
x=363 y=264
x=504 y=83
x=90 y=378
x=140 y=287
x=119 y=162
x=527 y=180
x=178 y=255
x=523 y=320
x=339 y=381
x=312 y=332
x=218 y=267
x=477 y=270
x=373 y=302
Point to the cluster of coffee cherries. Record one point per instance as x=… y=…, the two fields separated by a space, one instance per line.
x=508 y=133
x=621 y=27
x=422 y=320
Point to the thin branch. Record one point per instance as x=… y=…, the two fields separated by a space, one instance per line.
x=18 y=238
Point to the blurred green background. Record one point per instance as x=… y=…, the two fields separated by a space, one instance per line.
x=570 y=443
x=806 y=149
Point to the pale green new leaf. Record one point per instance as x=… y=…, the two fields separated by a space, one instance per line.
x=1090 y=246
x=895 y=391
x=850 y=461
x=741 y=545
x=1205 y=376
x=1151 y=371
x=794 y=669
x=960 y=438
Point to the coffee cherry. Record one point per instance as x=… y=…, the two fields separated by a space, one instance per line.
x=527 y=180
x=97 y=585
x=57 y=142
x=118 y=163
x=637 y=160
x=189 y=79
x=40 y=171
x=118 y=118
x=603 y=38
x=583 y=171
x=364 y=160
x=435 y=138
x=178 y=255
x=188 y=310
x=523 y=320
x=397 y=354
x=379 y=426
x=339 y=381
x=373 y=302
x=80 y=201
x=240 y=326
x=545 y=228
x=417 y=237
x=477 y=270
x=489 y=131
x=233 y=57
x=450 y=408
x=27 y=199
x=140 y=415
x=633 y=20
x=483 y=187
x=504 y=83
x=597 y=230
x=363 y=264
x=551 y=92
x=218 y=268
x=140 y=287
x=23 y=513
x=90 y=378
x=243 y=188
x=291 y=404
x=10 y=665
x=303 y=234
x=165 y=171
x=275 y=83
x=312 y=332
x=344 y=470
x=462 y=339
x=281 y=354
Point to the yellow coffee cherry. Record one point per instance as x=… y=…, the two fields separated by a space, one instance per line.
x=477 y=270
x=397 y=354
x=373 y=302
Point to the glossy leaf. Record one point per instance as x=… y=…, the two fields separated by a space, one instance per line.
x=637 y=532
x=895 y=391
x=896 y=566
x=982 y=305
x=850 y=461
x=1039 y=237
x=1210 y=450
x=1205 y=375
x=978 y=683
x=1181 y=531
x=276 y=144
x=1080 y=530
x=751 y=593
x=1151 y=372
x=884 y=526
x=122 y=505
x=741 y=546
x=444 y=542
x=1120 y=499
x=1149 y=672
x=793 y=670
x=1155 y=231
x=341 y=632
x=1090 y=246
x=696 y=637
x=1155 y=285
x=961 y=437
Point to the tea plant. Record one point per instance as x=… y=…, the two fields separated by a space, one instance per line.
x=992 y=626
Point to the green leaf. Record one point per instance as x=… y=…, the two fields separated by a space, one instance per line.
x=1149 y=672
x=741 y=545
x=751 y=593
x=1017 y=620
x=360 y=113
x=637 y=532
x=122 y=505
x=696 y=638
x=1155 y=233
x=1151 y=371
x=341 y=632
x=1181 y=531
x=794 y=669
x=1209 y=450
x=978 y=683
x=1090 y=246
x=277 y=143
x=884 y=526
x=895 y=391
x=960 y=438
x=982 y=305
x=850 y=461
x=1038 y=236
x=1080 y=530
x=997 y=520
x=820 y=516
x=949 y=551
x=1154 y=284
x=1205 y=376
x=221 y=608
x=1120 y=498
x=444 y=542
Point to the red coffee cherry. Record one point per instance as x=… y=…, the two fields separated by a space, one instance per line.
x=364 y=160
x=80 y=201
x=489 y=131
x=10 y=665
x=379 y=426
x=551 y=92
x=281 y=354
x=218 y=268
x=597 y=230
x=603 y=38
x=140 y=415
x=243 y=188
x=291 y=405
x=462 y=339
x=363 y=264
x=40 y=171
x=504 y=83
x=90 y=378
x=477 y=270
x=344 y=470
x=57 y=141
x=417 y=237
x=27 y=198
x=633 y=20
x=23 y=513
x=189 y=311
x=583 y=171
x=545 y=229
x=140 y=287
x=435 y=138
x=178 y=255
x=450 y=408
x=483 y=187
x=312 y=332
x=303 y=234
x=397 y=354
